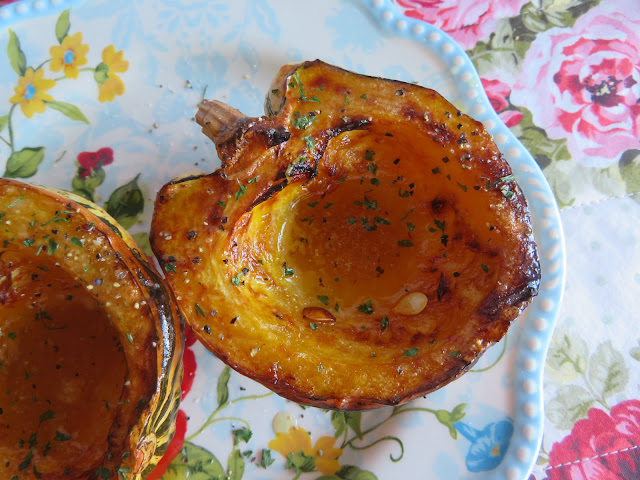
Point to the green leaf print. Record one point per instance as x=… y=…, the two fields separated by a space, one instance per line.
x=4 y=121
x=635 y=352
x=608 y=372
x=235 y=465
x=195 y=463
x=543 y=149
x=568 y=357
x=126 y=203
x=17 y=60
x=571 y=403
x=142 y=240
x=69 y=110
x=223 y=388
x=62 y=25
x=349 y=472
x=86 y=187
x=342 y=420
x=629 y=166
x=24 y=163
x=501 y=52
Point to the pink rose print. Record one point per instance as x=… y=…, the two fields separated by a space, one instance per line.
x=474 y=20
x=606 y=443
x=90 y=161
x=587 y=87
x=498 y=93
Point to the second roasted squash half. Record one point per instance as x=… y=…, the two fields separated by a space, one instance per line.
x=361 y=244
x=90 y=343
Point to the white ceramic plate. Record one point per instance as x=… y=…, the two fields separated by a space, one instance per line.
x=486 y=425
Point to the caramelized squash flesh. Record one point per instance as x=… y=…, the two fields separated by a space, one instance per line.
x=361 y=245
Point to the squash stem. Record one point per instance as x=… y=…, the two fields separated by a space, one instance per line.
x=217 y=118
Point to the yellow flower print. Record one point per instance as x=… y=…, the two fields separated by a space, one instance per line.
x=327 y=455
x=298 y=440
x=69 y=55
x=30 y=93
x=109 y=84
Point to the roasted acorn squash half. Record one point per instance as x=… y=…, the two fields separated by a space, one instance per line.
x=90 y=343
x=360 y=245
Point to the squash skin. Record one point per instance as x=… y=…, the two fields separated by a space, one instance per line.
x=121 y=281
x=244 y=290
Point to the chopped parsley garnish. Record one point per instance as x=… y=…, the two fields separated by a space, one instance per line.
x=241 y=190
x=170 y=267
x=484 y=267
x=373 y=168
x=77 y=242
x=410 y=226
x=53 y=246
x=439 y=224
x=199 y=311
x=407 y=215
x=242 y=434
x=236 y=280
x=129 y=337
x=346 y=98
x=382 y=221
x=384 y=323
x=366 y=307
x=405 y=243
x=314 y=326
x=288 y=272
x=463 y=187
x=412 y=352
x=28 y=242
x=302 y=122
x=363 y=96
x=368 y=155
x=309 y=141
x=312 y=204
x=253 y=180
x=370 y=204
x=48 y=415
x=375 y=182
x=351 y=220
x=508 y=178
x=454 y=353
x=323 y=299
x=266 y=459
x=402 y=194
x=435 y=171
x=221 y=203
x=15 y=202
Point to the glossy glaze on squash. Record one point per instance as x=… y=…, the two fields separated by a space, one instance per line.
x=361 y=245
x=90 y=343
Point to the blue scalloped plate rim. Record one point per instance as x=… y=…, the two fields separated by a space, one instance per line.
x=542 y=313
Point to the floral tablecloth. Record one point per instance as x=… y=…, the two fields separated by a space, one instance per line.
x=564 y=75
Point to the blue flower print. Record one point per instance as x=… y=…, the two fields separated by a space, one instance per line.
x=488 y=446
